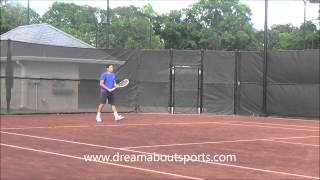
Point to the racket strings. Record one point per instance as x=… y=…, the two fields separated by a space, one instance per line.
x=123 y=83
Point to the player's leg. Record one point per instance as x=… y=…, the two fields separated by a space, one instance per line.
x=111 y=101
x=100 y=109
x=115 y=112
x=103 y=99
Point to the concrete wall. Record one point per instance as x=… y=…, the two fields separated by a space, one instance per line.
x=43 y=95
x=15 y=93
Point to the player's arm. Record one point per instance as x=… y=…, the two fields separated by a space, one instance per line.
x=114 y=83
x=104 y=86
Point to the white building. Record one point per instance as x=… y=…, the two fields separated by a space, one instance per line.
x=43 y=52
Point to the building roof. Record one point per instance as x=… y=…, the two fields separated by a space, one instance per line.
x=39 y=52
x=43 y=34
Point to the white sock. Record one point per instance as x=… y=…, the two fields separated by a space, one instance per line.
x=98 y=114
x=115 y=114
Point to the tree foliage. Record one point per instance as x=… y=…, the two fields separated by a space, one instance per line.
x=14 y=15
x=79 y=21
x=208 y=24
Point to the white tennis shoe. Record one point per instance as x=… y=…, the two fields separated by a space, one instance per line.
x=118 y=118
x=98 y=118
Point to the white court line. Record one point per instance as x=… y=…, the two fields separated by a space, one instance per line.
x=150 y=124
x=284 y=125
x=117 y=125
x=232 y=123
x=212 y=115
x=294 y=119
x=235 y=116
x=113 y=164
x=43 y=127
x=142 y=152
x=215 y=142
x=287 y=142
x=272 y=127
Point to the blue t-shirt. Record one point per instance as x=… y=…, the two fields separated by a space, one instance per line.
x=108 y=79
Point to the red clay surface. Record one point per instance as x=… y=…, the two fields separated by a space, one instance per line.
x=53 y=146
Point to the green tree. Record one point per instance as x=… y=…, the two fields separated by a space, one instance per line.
x=312 y=35
x=289 y=37
x=285 y=37
x=172 y=30
x=14 y=15
x=131 y=27
x=210 y=24
x=79 y=21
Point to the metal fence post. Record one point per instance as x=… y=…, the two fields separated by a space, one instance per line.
x=170 y=103
x=9 y=75
x=265 y=63
x=236 y=82
x=201 y=81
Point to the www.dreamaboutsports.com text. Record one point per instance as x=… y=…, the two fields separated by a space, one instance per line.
x=154 y=157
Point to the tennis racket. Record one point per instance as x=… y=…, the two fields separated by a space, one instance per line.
x=122 y=84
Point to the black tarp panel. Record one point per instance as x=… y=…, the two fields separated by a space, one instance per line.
x=293 y=83
x=186 y=80
x=72 y=86
x=186 y=57
x=153 y=81
x=186 y=90
x=297 y=67
x=293 y=100
x=250 y=87
x=250 y=99
x=127 y=98
x=219 y=68
x=218 y=98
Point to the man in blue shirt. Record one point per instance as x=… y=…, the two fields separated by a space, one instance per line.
x=107 y=85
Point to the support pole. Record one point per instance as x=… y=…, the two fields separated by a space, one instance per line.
x=265 y=63
x=173 y=89
x=28 y=13
x=201 y=81
x=170 y=105
x=108 y=26
x=9 y=75
x=304 y=24
x=236 y=82
x=198 y=91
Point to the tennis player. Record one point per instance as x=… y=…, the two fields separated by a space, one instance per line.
x=107 y=85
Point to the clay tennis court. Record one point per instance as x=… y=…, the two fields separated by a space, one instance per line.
x=53 y=146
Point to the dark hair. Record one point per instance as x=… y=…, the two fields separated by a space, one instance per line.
x=108 y=65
